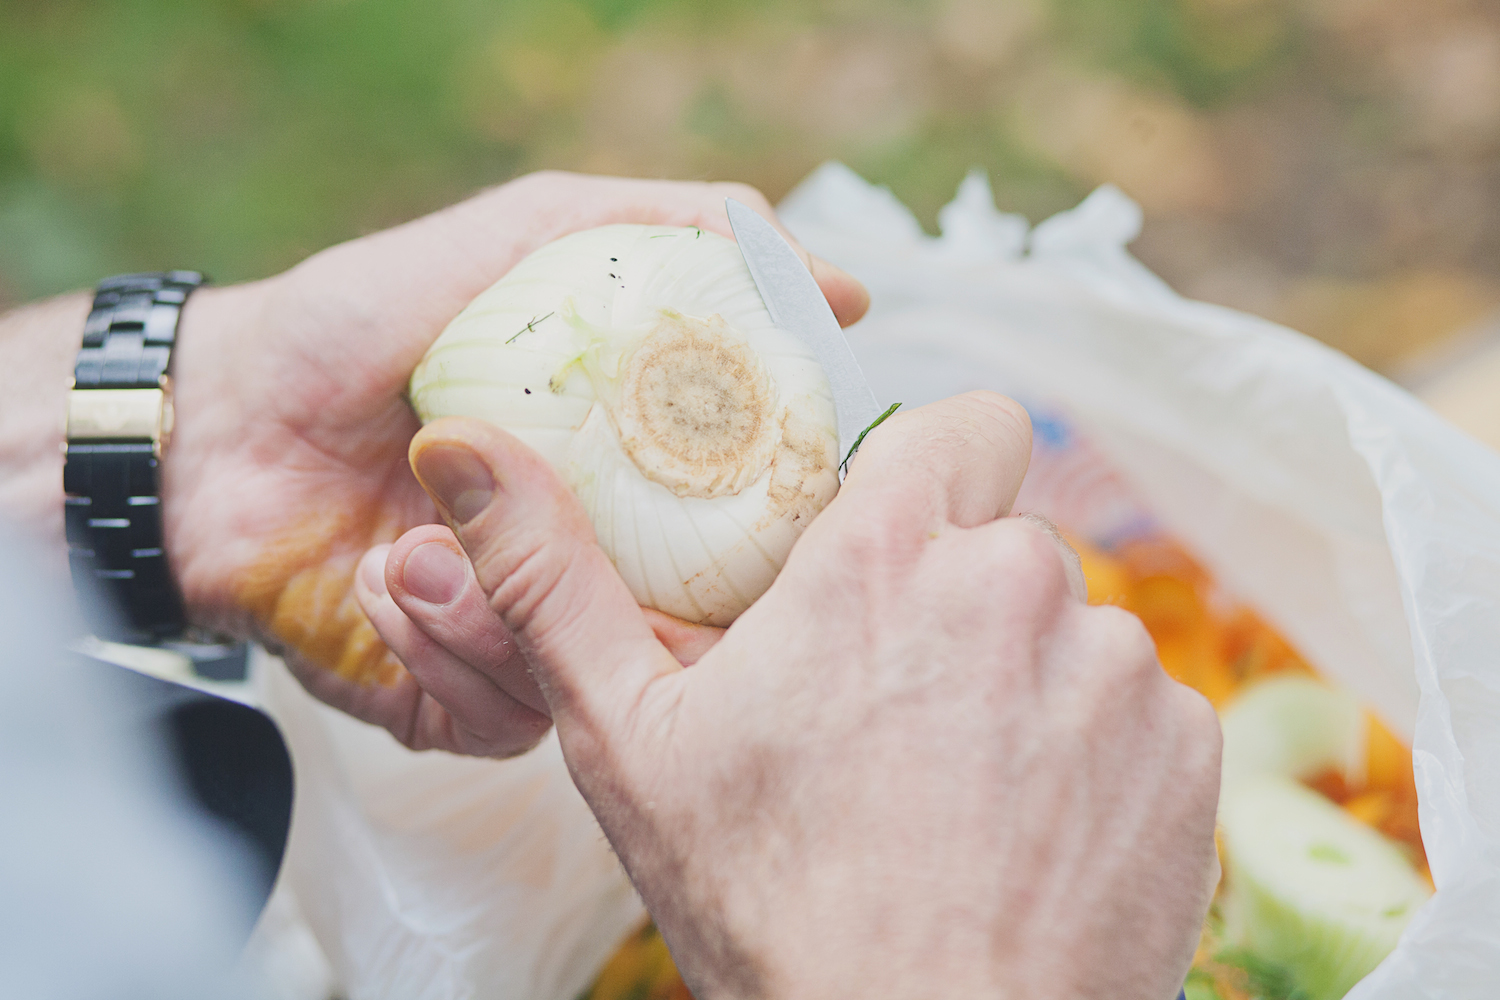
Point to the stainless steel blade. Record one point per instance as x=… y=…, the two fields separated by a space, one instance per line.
x=797 y=305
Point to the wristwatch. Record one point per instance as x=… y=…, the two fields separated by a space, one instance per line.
x=119 y=423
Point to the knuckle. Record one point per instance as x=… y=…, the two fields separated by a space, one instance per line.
x=520 y=579
x=1201 y=720
x=1129 y=647
x=1197 y=744
x=1031 y=551
x=1017 y=566
x=547 y=593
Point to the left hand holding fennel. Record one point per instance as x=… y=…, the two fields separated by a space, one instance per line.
x=289 y=459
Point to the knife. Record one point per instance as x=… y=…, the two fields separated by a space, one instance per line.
x=797 y=305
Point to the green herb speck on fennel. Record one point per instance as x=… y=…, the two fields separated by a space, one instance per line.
x=532 y=325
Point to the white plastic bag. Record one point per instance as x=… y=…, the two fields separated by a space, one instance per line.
x=429 y=876
x=1360 y=524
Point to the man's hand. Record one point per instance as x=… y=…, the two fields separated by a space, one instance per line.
x=919 y=765
x=289 y=460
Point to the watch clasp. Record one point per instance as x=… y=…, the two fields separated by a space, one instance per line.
x=113 y=414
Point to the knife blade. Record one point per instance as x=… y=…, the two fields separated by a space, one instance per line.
x=797 y=305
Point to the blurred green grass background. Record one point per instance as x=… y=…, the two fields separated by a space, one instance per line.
x=1334 y=164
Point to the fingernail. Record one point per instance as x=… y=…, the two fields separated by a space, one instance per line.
x=456 y=479
x=434 y=573
x=1072 y=563
x=372 y=568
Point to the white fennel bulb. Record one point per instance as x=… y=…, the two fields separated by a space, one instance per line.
x=642 y=364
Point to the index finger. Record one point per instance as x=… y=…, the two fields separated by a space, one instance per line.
x=422 y=273
x=959 y=461
x=602 y=200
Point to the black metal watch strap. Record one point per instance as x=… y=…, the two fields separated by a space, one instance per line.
x=119 y=420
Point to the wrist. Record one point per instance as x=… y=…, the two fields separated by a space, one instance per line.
x=215 y=342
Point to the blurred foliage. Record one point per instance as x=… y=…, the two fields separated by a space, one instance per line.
x=1331 y=163
x=1207 y=52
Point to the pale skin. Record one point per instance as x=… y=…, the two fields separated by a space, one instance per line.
x=920 y=765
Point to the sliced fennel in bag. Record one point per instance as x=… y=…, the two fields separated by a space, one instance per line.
x=1293 y=726
x=1311 y=889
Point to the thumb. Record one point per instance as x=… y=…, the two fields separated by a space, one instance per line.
x=534 y=553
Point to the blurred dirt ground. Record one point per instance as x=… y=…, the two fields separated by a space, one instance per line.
x=1332 y=164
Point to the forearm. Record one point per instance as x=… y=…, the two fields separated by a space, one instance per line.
x=39 y=343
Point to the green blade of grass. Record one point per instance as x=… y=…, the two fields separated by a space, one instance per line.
x=844 y=465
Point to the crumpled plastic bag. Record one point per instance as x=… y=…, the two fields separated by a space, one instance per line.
x=1365 y=528
x=430 y=876
x=1354 y=519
